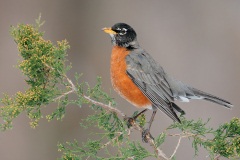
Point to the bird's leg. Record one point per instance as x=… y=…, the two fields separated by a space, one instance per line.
x=130 y=120
x=135 y=117
x=147 y=131
x=152 y=118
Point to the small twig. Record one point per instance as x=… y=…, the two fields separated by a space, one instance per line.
x=108 y=107
x=131 y=158
x=176 y=148
x=159 y=152
x=217 y=157
x=174 y=135
x=186 y=135
x=183 y=134
x=87 y=157
x=129 y=132
x=71 y=83
x=64 y=94
x=109 y=142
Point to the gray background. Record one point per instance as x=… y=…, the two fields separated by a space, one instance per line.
x=197 y=42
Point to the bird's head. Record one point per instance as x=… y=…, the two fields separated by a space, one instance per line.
x=122 y=35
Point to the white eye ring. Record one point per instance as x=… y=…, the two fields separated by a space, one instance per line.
x=125 y=31
x=118 y=29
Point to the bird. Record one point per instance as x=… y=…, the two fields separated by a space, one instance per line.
x=141 y=80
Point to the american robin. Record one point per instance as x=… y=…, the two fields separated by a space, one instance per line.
x=139 y=79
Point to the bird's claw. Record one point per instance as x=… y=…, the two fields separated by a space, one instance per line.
x=146 y=133
x=129 y=121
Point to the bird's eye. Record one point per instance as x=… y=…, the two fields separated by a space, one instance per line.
x=123 y=31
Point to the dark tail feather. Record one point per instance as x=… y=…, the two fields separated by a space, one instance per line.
x=174 y=107
x=212 y=98
x=174 y=113
x=178 y=109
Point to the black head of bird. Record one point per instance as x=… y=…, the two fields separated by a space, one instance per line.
x=122 y=35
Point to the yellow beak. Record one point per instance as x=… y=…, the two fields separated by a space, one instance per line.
x=109 y=31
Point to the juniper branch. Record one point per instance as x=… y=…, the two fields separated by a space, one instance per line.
x=176 y=148
x=45 y=70
x=160 y=154
x=150 y=140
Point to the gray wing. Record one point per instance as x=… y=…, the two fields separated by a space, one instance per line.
x=149 y=76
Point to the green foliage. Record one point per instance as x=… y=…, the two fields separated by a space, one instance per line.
x=73 y=151
x=195 y=127
x=135 y=151
x=97 y=93
x=141 y=119
x=103 y=119
x=59 y=113
x=108 y=122
x=160 y=139
x=90 y=149
x=225 y=141
x=44 y=66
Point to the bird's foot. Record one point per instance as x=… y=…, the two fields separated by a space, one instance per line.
x=129 y=121
x=146 y=135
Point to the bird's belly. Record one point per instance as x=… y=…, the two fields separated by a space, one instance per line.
x=121 y=82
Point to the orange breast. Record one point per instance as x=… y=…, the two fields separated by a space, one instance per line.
x=121 y=81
